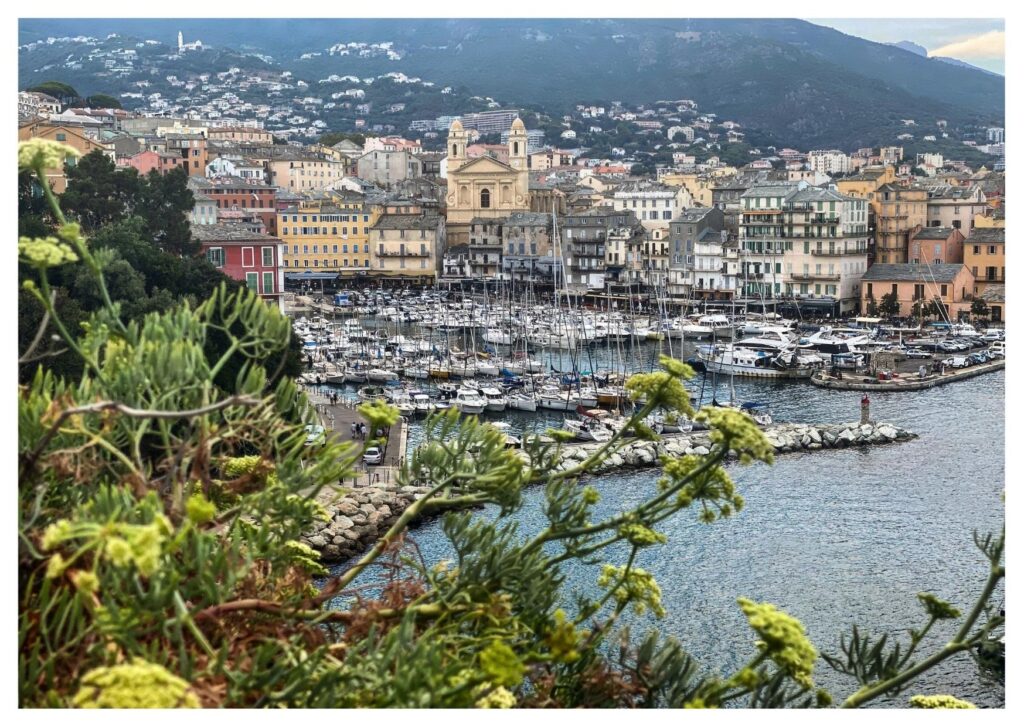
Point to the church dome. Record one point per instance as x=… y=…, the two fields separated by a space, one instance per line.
x=518 y=125
x=456 y=126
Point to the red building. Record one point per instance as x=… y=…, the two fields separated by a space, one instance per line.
x=253 y=258
x=231 y=193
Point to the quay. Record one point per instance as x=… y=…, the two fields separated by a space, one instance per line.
x=337 y=420
x=905 y=382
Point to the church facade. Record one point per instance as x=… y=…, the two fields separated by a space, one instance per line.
x=484 y=187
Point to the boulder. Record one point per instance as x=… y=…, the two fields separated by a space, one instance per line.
x=701 y=450
x=815 y=435
x=350 y=535
x=318 y=541
x=342 y=522
x=331 y=552
x=347 y=507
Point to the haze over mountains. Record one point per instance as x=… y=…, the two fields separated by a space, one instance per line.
x=794 y=82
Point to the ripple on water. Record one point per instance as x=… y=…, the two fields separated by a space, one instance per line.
x=834 y=537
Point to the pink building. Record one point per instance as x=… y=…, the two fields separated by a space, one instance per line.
x=935 y=245
x=952 y=284
x=147 y=161
x=253 y=258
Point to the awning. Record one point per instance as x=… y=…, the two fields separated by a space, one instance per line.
x=310 y=275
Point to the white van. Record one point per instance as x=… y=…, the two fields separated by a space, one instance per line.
x=998 y=349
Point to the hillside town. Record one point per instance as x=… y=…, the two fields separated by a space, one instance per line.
x=805 y=227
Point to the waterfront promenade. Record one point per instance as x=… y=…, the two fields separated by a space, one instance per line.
x=338 y=418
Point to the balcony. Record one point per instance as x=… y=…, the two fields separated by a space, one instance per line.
x=838 y=252
x=814 y=276
x=398 y=253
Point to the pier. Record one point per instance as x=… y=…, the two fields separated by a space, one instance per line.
x=905 y=382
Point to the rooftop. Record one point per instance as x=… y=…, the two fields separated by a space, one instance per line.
x=913 y=272
x=933 y=233
x=230 y=233
x=986 y=235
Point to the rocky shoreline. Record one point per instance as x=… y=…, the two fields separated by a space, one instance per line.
x=364 y=514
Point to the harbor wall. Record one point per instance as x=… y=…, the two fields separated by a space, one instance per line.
x=910 y=382
x=363 y=514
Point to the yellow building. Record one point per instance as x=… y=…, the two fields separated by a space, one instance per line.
x=699 y=186
x=866 y=182
x=328 y=235
x=899 y=211
x=65 y=135
x=484 y=186
x=987 y=222
x=985 y=257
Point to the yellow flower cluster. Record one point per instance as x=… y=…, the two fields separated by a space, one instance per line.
x=939 y=701
x=498 y=698
x=40 y=154
x=936 y=607
x=120 y=543
x=563 y=639
x=782 y=639
x=637 y=587
x=662 y=389
x=502 y=665
x=740 y=431
x=139 y=685
x=641 y=535
x=45 y=252
x=198 y=509
x=378 y=414
x=238 y=466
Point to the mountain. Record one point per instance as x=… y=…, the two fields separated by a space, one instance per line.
x=912 y=47
x=793 y=82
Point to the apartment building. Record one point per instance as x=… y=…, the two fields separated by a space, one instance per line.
x=898 y=212
x=301 y=173
x=249 y=257
x=955 y=206
x=320 y=235
x=936 y=245
x=696 y=255
x=950 y=285
x=985 y=256
x=801 y=241
x=407 y=245
x=654 y=204
x=387 y=167
x=828 y=161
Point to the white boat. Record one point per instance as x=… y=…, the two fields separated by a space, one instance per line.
x=522 y=401
x=423 y=405
x=551 y=397
x=486 y=368
x=401 y=400
x=711 y=325
x=505 y=428
x=739 y=361
x=496 y=401
x=588 y=429
x=379 y=376
x=497 y=336
x=469 y=401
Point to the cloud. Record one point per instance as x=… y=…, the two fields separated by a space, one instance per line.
x=991 y=45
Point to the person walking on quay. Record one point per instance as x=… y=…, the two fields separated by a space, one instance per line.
x=354 y=428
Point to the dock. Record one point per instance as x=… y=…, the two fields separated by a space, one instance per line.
x=906 y=382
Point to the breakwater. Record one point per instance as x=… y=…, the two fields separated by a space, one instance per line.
x=363 y=514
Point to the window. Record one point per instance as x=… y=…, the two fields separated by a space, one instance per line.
x=248 y=257
x=943 y=290
x=216 y=256
x=252 y=281
x=268 y=282
x=485 y=198
x=268 y=257
x=62 y=137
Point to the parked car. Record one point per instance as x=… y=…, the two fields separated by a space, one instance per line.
x=998 y=349
x=957 y=362
x=373 y=455
x=316 y=435
x=978 y=357
x=917 y=353
x=948 y=346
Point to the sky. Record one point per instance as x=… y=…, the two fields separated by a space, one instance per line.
x=977 y=41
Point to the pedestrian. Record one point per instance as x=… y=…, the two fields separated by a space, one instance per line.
x=353 y=428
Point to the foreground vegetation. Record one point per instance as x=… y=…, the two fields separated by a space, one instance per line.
x=161 y=505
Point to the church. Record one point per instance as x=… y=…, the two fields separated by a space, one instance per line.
x=484 y=186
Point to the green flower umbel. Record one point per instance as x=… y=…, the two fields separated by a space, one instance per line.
x=138 y=685
x=782 y=640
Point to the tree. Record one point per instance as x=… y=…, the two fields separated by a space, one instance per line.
x=979 y=309
x=333 y=137
x=101 y=101
x=160 y=511
x=63 y=92
x=166 y=201
x=890 y=306
x=872 y=306
x=98 y=193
